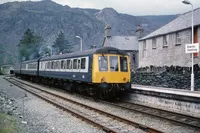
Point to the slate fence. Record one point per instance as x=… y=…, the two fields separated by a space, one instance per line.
x=170 y=77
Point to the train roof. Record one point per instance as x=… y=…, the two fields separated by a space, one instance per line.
x=103 y=50
x=30 y=61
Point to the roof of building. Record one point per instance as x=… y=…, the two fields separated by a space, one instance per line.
x=128 y=43
x=180 y=23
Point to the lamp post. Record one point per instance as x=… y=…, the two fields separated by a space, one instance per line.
x=187 y=2
x=81 y=45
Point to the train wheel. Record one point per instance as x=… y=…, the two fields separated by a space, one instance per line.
x=72 y=87
x=78 y=88
x=104 y=94
x=65 y=86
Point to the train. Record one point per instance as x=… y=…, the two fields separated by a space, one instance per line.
x=100 y=72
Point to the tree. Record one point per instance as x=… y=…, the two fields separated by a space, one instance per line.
x=29 y=45
x=61 y=44
x=45 y=51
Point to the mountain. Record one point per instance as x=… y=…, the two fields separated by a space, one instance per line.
x=47 y=18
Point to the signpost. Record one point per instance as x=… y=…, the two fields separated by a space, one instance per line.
x=192 y=48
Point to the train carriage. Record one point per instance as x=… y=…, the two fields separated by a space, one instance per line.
x=72 y=66
x=102 y=71
x=30 y=68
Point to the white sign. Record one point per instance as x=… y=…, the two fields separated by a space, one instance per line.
x=192 y=48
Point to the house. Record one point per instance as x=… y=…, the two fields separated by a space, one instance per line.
x=166 y=46
x=126 y=43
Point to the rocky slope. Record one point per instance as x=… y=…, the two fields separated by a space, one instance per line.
x=47 y=19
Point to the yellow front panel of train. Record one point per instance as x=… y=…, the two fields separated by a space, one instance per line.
x=110 y=68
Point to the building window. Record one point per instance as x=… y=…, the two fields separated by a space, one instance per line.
x=178 y=38
x=144 y=53
x=165 y=40
x=154 y=43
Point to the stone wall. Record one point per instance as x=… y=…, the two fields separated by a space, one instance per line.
x=170 y=77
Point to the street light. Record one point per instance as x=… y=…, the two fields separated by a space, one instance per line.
x=81 y=45
x=187 y=2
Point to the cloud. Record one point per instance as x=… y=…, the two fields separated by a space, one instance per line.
x=133 y=7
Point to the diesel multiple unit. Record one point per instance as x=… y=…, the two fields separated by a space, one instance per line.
x=103 y=71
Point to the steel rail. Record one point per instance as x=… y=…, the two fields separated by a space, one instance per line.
x=136 y=125
x=160 y=113
x=108 y=130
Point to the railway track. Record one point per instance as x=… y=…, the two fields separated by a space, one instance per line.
x=108 y=122
x=163 y=114
x=182 y=119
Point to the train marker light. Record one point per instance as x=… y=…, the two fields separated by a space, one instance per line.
x=124 y=79
x=102 y=79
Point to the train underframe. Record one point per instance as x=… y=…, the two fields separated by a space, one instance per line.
x=105 y=91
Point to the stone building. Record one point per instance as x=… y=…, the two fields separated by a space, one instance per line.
x=166 y=46
x=126 y=43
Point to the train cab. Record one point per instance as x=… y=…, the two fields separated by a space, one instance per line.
x=111 y=70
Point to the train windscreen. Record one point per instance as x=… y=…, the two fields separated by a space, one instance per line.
x=123 y=64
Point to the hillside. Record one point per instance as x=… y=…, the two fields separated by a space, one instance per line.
x=47 y=19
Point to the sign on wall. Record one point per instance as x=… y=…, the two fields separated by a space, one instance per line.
x=192 y=48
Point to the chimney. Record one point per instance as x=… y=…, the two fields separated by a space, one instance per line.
x=107 y=31
x=140 y=31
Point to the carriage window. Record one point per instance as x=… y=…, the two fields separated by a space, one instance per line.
x=65 y=65
x=32 y=66
x=74 y=63
x=103 y=63
x=58 y=64
x=54 y=64
x=41 y=65
x=62 y=63
x=71 y=65
x=123 y=64
x=51 y=64
x=83 y=63
x=23 y=66
x=113 y=63
x=68 y=64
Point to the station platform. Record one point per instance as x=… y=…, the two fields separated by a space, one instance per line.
x=172 y=93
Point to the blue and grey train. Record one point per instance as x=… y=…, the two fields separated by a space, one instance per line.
x=102 y=72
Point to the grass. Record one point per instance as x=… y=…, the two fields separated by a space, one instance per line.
x=8 y=124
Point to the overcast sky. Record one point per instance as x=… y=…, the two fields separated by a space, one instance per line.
x=133 y=7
